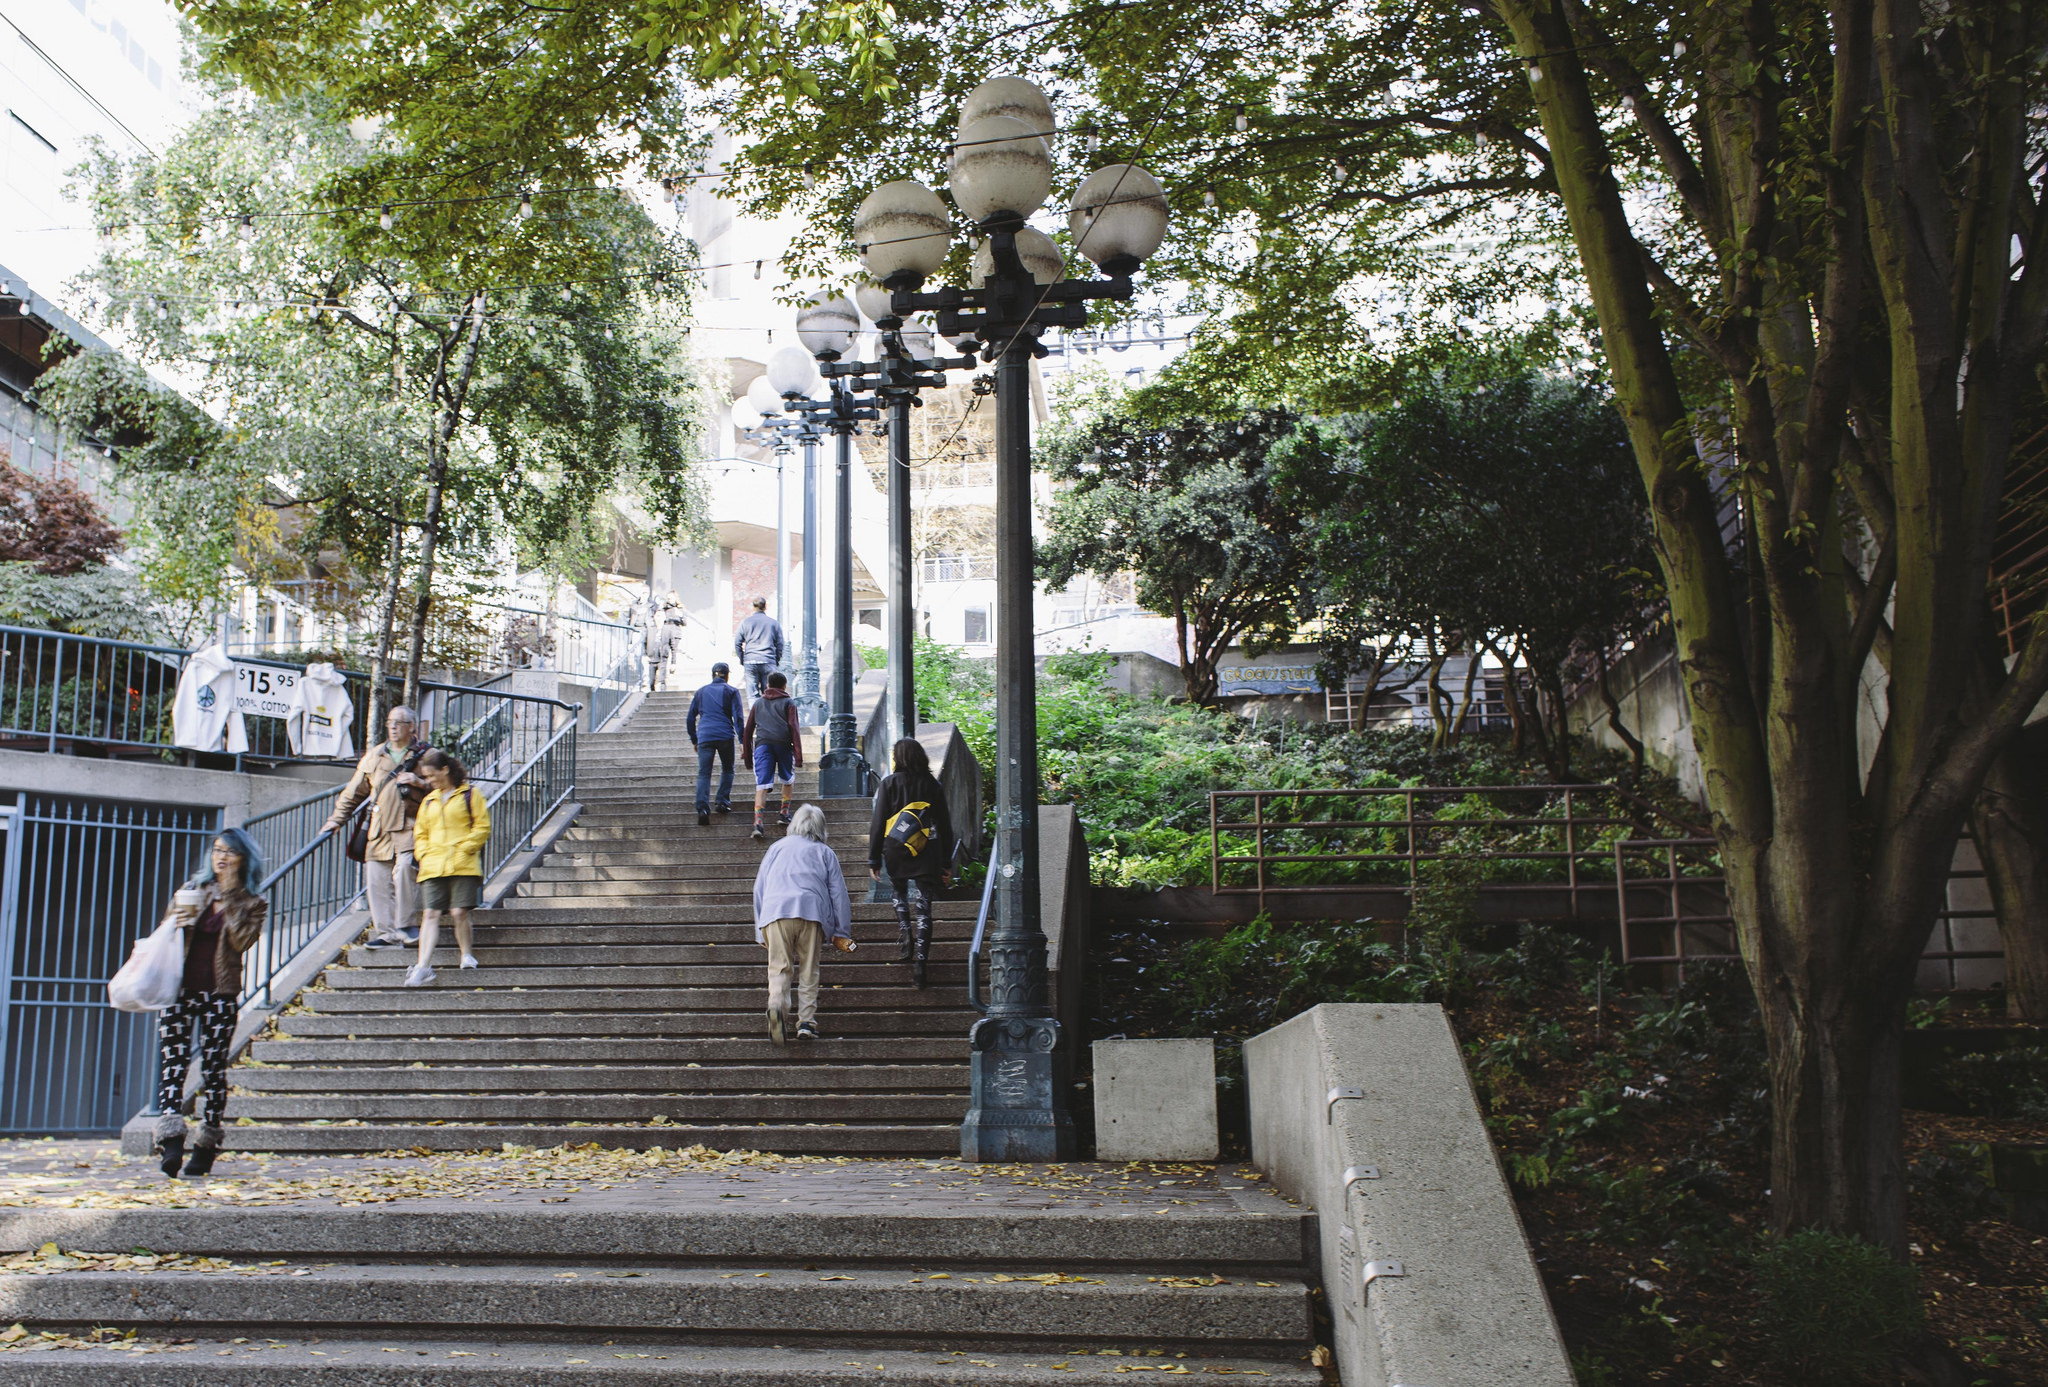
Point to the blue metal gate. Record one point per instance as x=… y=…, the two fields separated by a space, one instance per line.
x=84 y=880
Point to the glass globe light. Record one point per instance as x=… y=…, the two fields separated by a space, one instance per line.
x=745 y=417
x=1119 y=216
x=791 y=371
x=1034 y=248
x=902 y=228
x=874 y=302
x=999 y=165
x=917 y=341
x=1008 y=96
x=828 y=326
x=764 y=397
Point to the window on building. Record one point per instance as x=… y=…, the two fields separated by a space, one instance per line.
x=975 y=627
x=871 y=616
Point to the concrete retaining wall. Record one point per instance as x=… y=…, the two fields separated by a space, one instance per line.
x=1428 y=1274
x=1063 y=913
x=238 y=796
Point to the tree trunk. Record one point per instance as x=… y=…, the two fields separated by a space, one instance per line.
x=1465 y=695
x=439 y=439
x=2010 y=826
x=1511 y=695
x=1439 y=721
x=387 y=619
x=1629 y=739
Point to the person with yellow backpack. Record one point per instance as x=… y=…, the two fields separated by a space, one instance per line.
x=449 y=834
x=911 y=838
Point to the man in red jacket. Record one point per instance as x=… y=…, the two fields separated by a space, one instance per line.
x=775 y=746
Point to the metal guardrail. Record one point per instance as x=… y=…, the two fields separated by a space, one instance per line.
x=313 y=884
x=610 y=692
x=1556 y=838
x=988 y=895
x=57 y=689
x=525 y=802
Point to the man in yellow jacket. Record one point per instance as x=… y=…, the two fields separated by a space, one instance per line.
x=449 y=835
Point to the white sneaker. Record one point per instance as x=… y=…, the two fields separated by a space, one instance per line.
x=420 y=976
x=469 y=960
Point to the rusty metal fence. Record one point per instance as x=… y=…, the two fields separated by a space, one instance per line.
x=1581 y=851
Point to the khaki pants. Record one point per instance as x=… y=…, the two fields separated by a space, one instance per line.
x=794 y=946
x=393 y=890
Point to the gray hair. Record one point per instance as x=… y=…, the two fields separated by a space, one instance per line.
x=401 y=711
x=809 y=822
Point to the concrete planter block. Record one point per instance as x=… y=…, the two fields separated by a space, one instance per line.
x=1155 y=1100
x=1365 y=1113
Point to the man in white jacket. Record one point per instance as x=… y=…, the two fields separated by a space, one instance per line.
x=204 y=713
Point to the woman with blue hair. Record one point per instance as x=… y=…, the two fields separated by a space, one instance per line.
x=222 y=917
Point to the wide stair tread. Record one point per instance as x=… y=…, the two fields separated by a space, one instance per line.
x=620 y=1001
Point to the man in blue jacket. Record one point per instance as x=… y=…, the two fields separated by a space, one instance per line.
x=713 y=722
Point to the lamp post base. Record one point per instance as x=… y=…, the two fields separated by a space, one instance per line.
x=1017 y=1079
x=843 y=772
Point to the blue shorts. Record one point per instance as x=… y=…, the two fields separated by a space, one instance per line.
x=772 y=764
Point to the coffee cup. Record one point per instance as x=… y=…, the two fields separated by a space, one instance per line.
x=188 y=899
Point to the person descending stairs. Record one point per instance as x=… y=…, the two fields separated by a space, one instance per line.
x=620 y=1000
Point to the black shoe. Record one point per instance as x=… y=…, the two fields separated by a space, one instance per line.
x=808 y=1030
x=721 y=809
x=775 y=1029
x=173 y=1149
x=703 y=819
x=382 y=942
x=760 y=831
x=202 y=1160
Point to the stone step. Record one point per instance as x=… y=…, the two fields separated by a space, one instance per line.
x=445 y=997
x=807 y=1137
x=639 y=916
x=499 y=1362
x=839 y=973
x=944 y=949
x=868 y=929
x=425 y=1024
x=827 y=1074
x=622 y=1297
x=534 y=1108
x=575 y=1051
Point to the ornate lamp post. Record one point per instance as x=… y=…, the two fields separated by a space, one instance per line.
x=793 y=376
x=828 y=329
x=1000 y=174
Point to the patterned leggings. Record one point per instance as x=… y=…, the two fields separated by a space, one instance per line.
x=216 y=1019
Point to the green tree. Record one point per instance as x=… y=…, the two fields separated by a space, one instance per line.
x=1809 y=239
x=1505 y=518
x=1189 y=509
x=359 y=419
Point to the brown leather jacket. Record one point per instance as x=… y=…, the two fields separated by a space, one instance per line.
x=242 y=919
x=391 y=819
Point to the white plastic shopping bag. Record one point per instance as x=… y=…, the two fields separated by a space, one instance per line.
x=150 y=979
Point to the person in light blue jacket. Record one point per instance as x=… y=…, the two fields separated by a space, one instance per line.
x=800 y=901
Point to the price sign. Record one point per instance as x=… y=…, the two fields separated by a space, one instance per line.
x=264 y=691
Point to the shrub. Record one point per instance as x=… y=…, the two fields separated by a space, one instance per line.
x=2001 y=1083
x=1833 y=1306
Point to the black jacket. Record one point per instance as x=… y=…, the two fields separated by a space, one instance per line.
x=898 y=790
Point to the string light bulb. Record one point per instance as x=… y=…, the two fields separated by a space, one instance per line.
x=1090 y=140
x=1342 y=173
x=1209 y=198
x=1535 y=73
x=246 y=232
x=1244 y=122
x=384 y=218
x=1678 y=49
x=525 y=206
x=757 y=268
x=668 y=189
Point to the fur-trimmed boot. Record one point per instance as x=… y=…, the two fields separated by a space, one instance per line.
x=205 y=1146
x=170 y=1142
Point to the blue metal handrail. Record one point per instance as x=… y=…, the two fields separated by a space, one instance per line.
x=988 y=895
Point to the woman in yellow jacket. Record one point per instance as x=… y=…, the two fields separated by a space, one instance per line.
x=449 y=835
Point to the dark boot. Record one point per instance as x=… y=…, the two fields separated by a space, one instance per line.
x=205 y=1147
x=173 y=1151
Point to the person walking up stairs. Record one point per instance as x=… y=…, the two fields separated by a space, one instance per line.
x=773 y=744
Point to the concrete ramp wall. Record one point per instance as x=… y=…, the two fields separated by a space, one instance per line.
x=1365 y=1113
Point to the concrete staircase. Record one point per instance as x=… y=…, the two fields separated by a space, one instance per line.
x=620 y=1000
x=810 y=1276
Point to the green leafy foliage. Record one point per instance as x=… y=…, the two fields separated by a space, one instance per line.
x=1190 y=509
x=105 y=602
x=2011 y=1082
x=1835 y=1306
